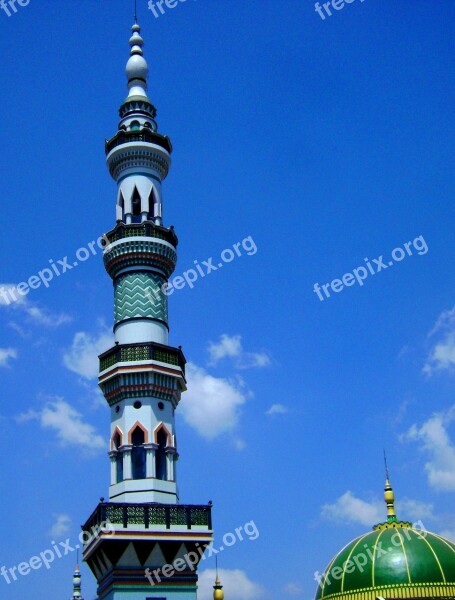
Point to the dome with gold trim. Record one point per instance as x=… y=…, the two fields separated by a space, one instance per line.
x=395 y=560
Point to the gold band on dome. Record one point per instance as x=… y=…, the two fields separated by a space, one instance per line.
x=394 y=525
x=405 y=591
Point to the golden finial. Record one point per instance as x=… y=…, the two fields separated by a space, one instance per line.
x=389 y=495
x=389 y=498
x=218 y=594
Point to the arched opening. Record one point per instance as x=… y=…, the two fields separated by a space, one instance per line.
x=116 y=440
x=121 y=208
x=161 y=466
x=135 y=126
x=136 y=206
x=152 y=200
x=116 y=443
x=138 y=454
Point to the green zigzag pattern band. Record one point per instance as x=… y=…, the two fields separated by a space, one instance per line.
x=140 y=295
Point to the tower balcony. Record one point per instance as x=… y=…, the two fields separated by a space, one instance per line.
x=145 y=135
x=142 y=352
x=140 y=251
x=145 y=149
x=145 y=229
x=122 y=541
x=142 y=370
x=151 y=516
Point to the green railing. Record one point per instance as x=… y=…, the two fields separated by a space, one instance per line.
x=142 y=352
x=148 y=515
x=146 y=229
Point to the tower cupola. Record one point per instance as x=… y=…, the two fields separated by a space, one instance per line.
x=77 y=584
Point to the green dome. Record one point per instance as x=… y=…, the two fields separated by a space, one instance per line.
x=394 y=561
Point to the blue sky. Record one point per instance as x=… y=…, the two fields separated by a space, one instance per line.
x=326 y=141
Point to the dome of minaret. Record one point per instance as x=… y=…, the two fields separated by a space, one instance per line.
x=136 y=67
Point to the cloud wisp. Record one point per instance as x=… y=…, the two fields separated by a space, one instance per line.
x=350 y=509
x=67 y=423
x=230 y=346
x=82 y=357
x=6 y=355
x=237 y=585
x=442 y=354
x=212 y=405
x=33 y=313
x=434 y=440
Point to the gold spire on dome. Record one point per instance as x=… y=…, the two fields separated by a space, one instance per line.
x=218 y=594
x=389 y=495
x=389 y=498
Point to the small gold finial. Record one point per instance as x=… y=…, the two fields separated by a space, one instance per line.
x=389 y=495
x=218 y=594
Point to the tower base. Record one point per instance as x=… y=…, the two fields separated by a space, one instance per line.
x=147 y=551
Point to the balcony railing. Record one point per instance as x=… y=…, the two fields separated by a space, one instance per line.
x=148 y=515
x=146 y=229
x=142 y=352
x=145 y=135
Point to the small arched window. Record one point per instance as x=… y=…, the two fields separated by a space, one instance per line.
x=152 y=201
x=138 y=454
x=161 y=467
x=135 y=126
x=136 y=206
x=121 y=208
x=117 y=442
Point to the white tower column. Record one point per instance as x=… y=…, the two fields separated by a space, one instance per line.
x=150 y=450
x=170 y=455
x=113 y=459
x=127 y=466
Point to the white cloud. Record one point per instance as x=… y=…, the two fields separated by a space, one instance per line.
x=236 y=585
x=414 y=510
x=239 y=444
x=43 y=317
x=293 y=589
x=448 y=534
x=434 y=439
x=350 y=509
x=61 y=526
x=227 y=346
x=9 y=296
x=67 y=422
x=230 y=346
x=11 y=300
x=5 y=355
x=82 y=357
x=212 y=404
x=277 y=409
x=442 y=355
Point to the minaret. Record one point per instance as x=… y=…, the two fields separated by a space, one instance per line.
x=142 y=377
x=77 y=585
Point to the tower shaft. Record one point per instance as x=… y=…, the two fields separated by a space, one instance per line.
x=136 y=540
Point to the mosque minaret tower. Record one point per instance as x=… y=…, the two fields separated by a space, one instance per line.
x=142 y=543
